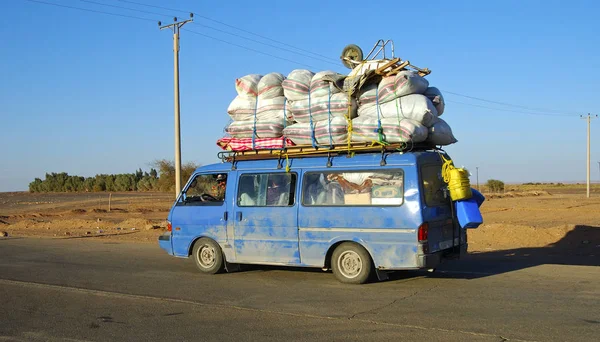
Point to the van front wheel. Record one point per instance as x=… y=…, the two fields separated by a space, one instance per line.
x=351 y=263
x=208 y=256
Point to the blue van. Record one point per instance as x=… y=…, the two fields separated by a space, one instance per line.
x=358 y=216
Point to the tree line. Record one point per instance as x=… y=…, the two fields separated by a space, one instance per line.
x=160 y=178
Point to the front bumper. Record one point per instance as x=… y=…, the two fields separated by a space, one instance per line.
x=432 y=260
x=164 y=242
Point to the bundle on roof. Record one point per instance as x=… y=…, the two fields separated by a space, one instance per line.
x=393 y=87
x=322 y=133
x=309 y=108
x=391 y=130
x=317 y=103
x=260 y=109
x=415 y=107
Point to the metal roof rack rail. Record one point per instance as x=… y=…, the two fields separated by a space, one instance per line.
x=305 y=151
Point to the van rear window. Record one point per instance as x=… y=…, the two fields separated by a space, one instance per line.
x=433 y=185
x=355 y=188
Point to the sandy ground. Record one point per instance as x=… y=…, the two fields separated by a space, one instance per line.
x=130 y=216
x=561 y=221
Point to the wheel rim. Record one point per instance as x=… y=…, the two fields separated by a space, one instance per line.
x=350 y=264
x=206 y=256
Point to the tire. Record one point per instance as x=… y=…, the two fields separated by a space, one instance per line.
x=208 y=256
x=351 y=263
x=354 y=52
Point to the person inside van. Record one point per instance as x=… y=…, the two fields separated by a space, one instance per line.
x=247 y=193
x=278 y=191
x=314 y=192
x=218 y=190
x=353 y=182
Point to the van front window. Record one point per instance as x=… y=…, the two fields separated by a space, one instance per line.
x=205 y=189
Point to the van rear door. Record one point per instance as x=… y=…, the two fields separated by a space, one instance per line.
x=437 y=209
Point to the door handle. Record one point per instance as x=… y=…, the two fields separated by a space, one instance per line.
x=238 y=215
x=225 y=216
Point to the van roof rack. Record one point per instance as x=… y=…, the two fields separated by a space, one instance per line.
x=303 y=151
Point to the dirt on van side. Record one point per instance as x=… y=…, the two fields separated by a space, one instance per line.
x=564 y=223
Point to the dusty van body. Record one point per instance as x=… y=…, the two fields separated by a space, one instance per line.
x=356 y=216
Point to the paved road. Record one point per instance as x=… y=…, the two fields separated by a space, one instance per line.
x=77 y=289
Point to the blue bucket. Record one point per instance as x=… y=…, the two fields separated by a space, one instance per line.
x=467 y=211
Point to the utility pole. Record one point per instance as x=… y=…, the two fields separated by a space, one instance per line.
x=477 y=168
x=589 y=118
x=176 y=26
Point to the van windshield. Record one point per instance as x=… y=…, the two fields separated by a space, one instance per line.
x=433 y=185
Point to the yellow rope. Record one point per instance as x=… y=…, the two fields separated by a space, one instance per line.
x=348 y=118
x=287 y=163
x=458 y=181
x=446 y=167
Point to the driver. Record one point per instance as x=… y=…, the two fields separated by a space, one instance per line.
x=218 y=190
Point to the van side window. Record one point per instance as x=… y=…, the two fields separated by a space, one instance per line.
x=357 y=188
x=207 y=189
x=267 y=190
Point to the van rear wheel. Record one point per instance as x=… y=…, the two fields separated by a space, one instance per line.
x=208 y=256
x=351 y=263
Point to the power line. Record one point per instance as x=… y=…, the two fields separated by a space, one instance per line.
x=126 y=8
x=328 y=60
x=233 y=27
x=556 y=114
x=248 y=48
x=505 y=104
x=267 y=44
x=509 y=110
x=154 y=6
x=553 y=112
x=210 y=27
x=194 y=32
x=90 y=10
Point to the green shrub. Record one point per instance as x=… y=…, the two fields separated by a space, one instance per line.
x=495 y=185
x=166 y=174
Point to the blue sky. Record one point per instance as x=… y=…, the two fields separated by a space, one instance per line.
x=90 y=93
